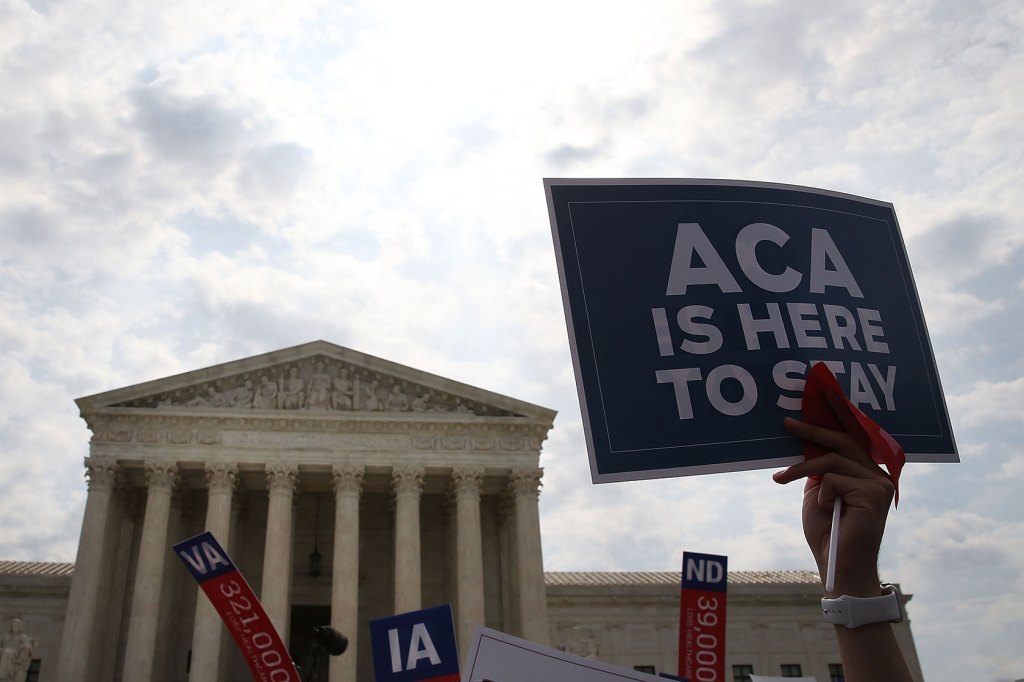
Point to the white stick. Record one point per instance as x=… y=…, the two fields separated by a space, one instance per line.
x=833 y=546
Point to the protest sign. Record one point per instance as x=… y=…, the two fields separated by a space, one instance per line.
x=241 y=611
x=695 y=309
x=418 y=646
x=702 y=617
x=497 y=657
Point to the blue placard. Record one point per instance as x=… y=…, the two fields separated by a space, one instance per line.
x=415 y=646
x=705 y=572
x=696 y=307
x=203 y=556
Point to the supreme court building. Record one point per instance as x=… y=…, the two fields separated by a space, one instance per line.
x=347 y=488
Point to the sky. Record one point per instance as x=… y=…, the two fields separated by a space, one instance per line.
x=184 y=184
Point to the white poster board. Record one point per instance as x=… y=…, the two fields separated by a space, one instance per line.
x=498 y=657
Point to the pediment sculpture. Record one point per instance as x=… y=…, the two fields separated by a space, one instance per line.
x=319 y=384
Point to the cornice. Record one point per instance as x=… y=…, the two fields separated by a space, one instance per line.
x=331 y=432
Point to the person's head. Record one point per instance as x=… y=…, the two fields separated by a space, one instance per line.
x=17 y=626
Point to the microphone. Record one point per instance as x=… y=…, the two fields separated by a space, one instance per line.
x=330 y=639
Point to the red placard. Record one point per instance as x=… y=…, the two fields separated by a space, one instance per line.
x=702 y=605
x=241 y=611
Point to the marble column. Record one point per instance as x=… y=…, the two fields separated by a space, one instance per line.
x=207 y=631
x=168 y=656
x=120 y=536
x=140 y=648
x=277 y=550
x=407 y=486
x=80 y=620
x=348 y=485
x=509 y=579
x=524 y=487
x=469 y=558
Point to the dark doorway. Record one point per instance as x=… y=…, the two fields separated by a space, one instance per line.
x=304 y=619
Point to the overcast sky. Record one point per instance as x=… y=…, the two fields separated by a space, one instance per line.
x=189 y=183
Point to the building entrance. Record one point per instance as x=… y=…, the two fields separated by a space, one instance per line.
x=304 y=620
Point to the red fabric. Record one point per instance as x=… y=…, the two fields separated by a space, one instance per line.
x=884 y=450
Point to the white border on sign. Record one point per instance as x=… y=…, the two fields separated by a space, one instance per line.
x=499 y=657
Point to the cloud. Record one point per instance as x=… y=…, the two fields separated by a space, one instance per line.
x=990 y=402
x=961 y=248
x=964 y=569
x=566 y=155
x=273 y=169
x=199 y=132
x=196 y=183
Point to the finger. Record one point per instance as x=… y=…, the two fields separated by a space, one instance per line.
x=841 y=409
x=826 y=438
x=874 y=492
x=836 y=441
x=831 y=463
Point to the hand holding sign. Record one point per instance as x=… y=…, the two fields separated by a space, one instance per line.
x=847 y=471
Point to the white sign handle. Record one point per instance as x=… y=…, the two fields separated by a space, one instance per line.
x=833 y=546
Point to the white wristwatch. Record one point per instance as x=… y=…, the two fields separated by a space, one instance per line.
x=853 y=612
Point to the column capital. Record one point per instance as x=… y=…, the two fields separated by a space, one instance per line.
x=282 y=476
x=348 y=478
x=220 y=476
x=407 y=480
x=101 y=473
x=467 y=481
x=161 y=475
x=525 y=482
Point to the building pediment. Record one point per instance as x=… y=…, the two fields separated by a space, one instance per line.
x=314 y=378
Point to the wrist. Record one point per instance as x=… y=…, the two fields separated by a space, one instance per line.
x=870 y=587
x=854 y=577
x=855 y=612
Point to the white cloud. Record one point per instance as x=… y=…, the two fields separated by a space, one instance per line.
x=989 y=402
x=1013 y=468
x=964 y=570
x=190 y=183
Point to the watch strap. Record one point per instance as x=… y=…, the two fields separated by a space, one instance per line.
x=853 y=612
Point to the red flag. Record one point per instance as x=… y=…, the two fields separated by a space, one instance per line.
x=882 y=448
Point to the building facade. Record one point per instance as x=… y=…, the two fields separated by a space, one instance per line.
x=349 y=488
x=346 y=488
x=773 y=623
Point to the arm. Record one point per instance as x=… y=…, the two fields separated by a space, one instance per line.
x=870 y=652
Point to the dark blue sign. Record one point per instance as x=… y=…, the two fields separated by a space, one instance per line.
x=695 y=309
x=706 y=572
x=418 y=646
x=204 y=558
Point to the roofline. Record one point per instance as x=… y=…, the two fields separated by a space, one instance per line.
x=97 y=401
